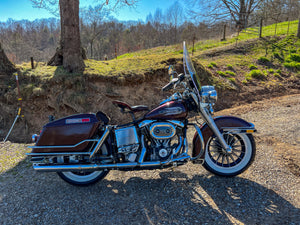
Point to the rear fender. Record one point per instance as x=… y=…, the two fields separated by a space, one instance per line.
x=224 y=123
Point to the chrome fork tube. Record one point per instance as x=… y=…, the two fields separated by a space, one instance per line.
x=211 y=123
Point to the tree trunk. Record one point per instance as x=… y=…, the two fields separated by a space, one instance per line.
x=70 y=53
x=242 y=15
x=6 y=66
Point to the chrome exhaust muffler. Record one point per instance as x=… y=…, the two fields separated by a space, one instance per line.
x=92 y=167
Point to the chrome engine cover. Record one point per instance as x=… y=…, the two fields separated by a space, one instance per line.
x=127 y=139
x=162 y=130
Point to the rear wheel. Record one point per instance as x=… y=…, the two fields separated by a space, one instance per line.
x=219 y=162
x=82 y=178
x=85 y=178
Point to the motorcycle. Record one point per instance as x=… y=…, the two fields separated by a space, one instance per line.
x=83 y=148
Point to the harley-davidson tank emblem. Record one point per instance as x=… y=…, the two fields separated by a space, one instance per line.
x=171 y=111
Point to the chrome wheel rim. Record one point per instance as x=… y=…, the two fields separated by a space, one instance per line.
x=221 y=161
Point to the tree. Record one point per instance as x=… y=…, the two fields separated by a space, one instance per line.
x=92 y=18
x=70 y=53
x=214 y=10
x=174 y=15
x=5 y=65
x=278 y=10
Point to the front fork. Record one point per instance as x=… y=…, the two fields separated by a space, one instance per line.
x=211 y=123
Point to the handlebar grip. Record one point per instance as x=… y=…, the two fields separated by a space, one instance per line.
x=168 y=86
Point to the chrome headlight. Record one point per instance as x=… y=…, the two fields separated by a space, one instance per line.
x=208 y=94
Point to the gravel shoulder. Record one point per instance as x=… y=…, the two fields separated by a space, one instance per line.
x=267 y=193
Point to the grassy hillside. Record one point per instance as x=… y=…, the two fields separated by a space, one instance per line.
x=281 y=52
x=232 y=64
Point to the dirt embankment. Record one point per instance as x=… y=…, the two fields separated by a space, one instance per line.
x=66 y=95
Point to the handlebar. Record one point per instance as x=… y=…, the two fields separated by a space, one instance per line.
x=173 y=82
x=168 y=86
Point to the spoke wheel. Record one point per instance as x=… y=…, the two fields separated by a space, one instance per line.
x=219 y=162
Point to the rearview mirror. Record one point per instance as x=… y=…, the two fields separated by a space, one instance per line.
x=171 y=72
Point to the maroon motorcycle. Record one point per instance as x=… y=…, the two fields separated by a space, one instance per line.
x=83 y=148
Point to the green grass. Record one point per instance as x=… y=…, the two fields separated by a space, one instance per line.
x=229 y=66
x=141 y=63
x=250 y=33
x=292 y=65
x=12 y=154
x=231 y=79
x=293 y=57
x=230 y=73
x=221 y=73
x=257 y=74
x=263 y=60
x=252 y=67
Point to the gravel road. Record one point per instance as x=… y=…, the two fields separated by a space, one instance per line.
x=267 y=193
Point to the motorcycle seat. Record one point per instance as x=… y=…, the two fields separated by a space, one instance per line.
x=124 y=106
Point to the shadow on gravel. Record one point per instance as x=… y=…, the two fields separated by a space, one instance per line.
x=28 y=197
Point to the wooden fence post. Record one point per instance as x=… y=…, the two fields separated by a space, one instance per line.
x=32 y=62
x=194 y=39
x=260 y=28
x=224 y=33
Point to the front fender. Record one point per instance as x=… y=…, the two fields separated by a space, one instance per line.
x=222 y=122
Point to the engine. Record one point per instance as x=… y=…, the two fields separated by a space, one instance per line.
x=164 y=139
x=161 y=140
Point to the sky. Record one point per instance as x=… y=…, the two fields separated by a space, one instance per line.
x=23 y=9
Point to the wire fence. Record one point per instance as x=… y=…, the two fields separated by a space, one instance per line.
x=260 y=30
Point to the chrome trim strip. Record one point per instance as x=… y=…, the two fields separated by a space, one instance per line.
x=58 y=153
x=238 y=130
x=178 y=123
x=64 y=146
x=145 y=123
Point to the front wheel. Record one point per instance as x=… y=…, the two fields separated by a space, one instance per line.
x=226 y=164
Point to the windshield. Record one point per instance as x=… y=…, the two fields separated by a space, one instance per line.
x=189 y=68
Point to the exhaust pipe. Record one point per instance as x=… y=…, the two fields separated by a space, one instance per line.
x=65 y=168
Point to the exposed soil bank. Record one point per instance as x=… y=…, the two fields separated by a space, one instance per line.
x=62 y=96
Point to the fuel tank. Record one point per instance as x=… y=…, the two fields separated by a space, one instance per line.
x=67 y=131
x=169 y=110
